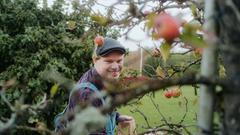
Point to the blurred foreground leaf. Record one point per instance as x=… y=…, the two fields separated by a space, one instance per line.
x=54 y=89
x=54 y=76
x=165 y=50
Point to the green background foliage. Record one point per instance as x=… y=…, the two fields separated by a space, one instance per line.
x=33 y=39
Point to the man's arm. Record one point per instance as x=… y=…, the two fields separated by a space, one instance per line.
x=84 y=96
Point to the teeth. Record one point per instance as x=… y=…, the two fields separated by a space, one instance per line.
x=114 y=73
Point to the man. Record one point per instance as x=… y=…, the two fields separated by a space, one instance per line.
x=108 y=57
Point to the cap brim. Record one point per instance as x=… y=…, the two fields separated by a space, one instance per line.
x=121 y=50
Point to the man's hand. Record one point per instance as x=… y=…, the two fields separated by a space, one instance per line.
x=125 y=120
x=126 y=123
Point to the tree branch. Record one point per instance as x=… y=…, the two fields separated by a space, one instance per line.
x=123 y=96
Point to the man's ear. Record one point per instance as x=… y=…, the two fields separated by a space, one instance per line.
x=94 y=59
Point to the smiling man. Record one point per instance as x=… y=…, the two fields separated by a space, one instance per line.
x=108 y=57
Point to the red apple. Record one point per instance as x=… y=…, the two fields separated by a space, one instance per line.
x=176 y=93
x=166 y=26
x=99 y=40
x=167 y=94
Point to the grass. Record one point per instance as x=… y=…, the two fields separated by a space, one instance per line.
x=172 y=109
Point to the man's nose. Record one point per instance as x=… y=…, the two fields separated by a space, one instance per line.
x=115 y=65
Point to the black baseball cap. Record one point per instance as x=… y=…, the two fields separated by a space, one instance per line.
x=110 y=45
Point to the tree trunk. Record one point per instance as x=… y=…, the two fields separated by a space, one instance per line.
x=228 y=19
x=208 y=69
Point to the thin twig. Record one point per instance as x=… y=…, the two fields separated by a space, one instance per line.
x=157 y=108
x=186 y=111
x=144 y=116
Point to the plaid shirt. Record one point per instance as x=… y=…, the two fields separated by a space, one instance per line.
x=84 y=94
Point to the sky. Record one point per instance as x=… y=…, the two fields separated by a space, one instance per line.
x=137 y=33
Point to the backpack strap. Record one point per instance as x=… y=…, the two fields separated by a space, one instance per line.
x=60 y=120
x=111 y=123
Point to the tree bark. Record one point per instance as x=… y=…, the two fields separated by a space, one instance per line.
x=228 y=19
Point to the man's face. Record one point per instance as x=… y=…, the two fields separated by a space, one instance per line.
x=110 y=65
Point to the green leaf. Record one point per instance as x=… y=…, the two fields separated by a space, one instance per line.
x=160 y=72
x=100 y=19
x=194 y=41
x=71 y=25
x=170 y=71
x=165 y=50
x=222 y=71
x=193 y=8
x=191 y=37
x=150 y=20
x=54 y=89
x=32 y=120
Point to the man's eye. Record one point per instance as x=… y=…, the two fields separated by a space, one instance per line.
x=119 y=61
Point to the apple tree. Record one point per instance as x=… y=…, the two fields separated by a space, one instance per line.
x=211 y=33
